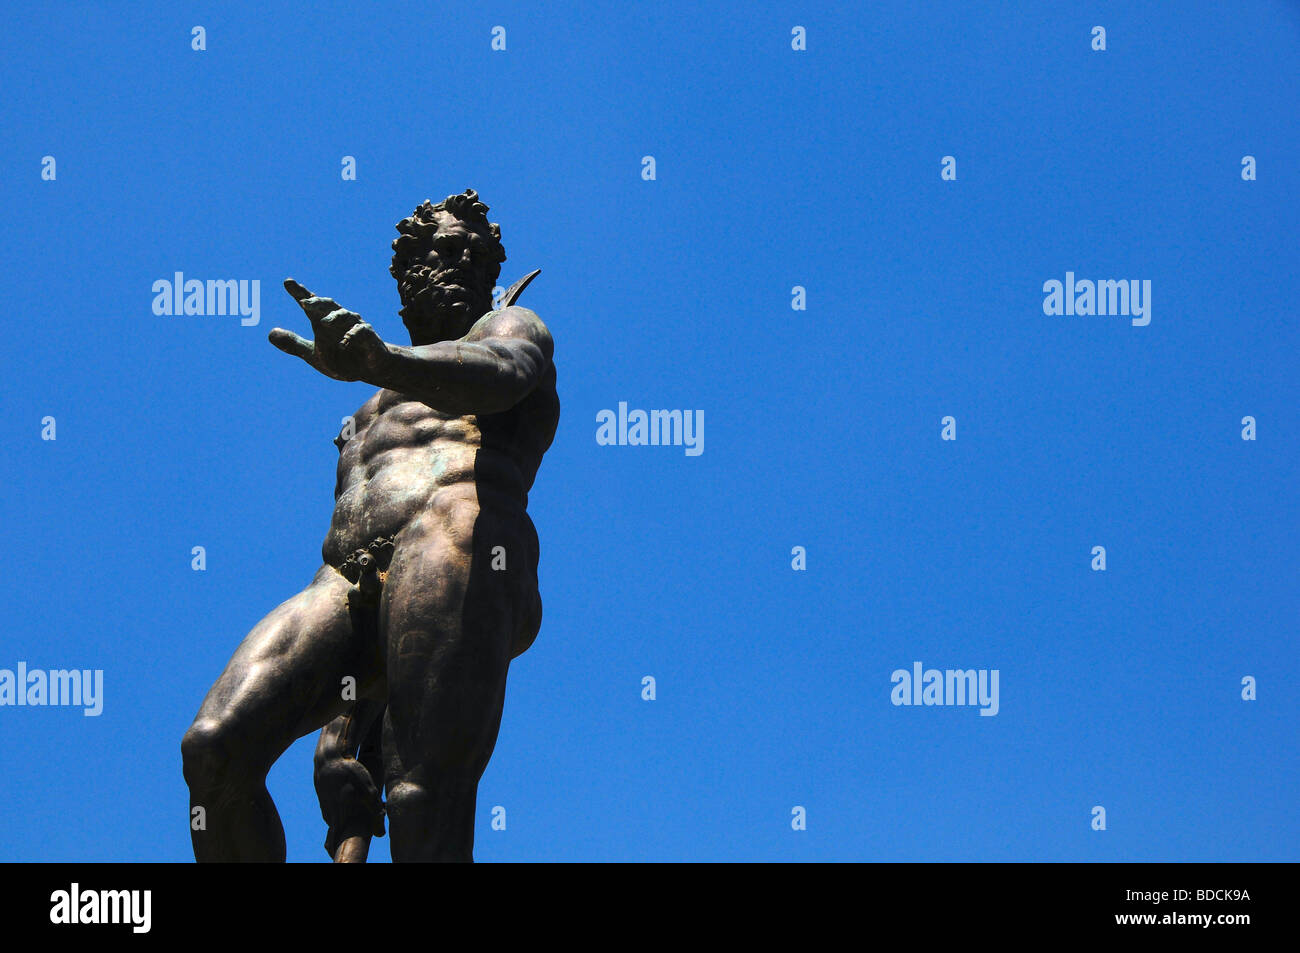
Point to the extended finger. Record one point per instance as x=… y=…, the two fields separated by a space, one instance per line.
x=315 y=306
x=293 y=344
x=295 y=289
x=318 y=308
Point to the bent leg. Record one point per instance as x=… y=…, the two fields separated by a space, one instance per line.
x=283 y=681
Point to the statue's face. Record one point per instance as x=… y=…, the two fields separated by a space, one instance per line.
x=450 y=288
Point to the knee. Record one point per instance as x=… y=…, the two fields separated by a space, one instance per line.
x=445 y=797
x=432 y=822
x=206 y=754
x=408 y=798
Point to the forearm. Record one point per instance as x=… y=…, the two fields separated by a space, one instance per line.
x=459 y=377
x=336 y=741
x=342 y=736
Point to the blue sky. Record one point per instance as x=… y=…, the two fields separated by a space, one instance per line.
x=774 y=168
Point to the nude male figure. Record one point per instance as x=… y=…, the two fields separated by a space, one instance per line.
x=414 y=601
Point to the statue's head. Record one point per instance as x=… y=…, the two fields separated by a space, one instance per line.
x=446 y=261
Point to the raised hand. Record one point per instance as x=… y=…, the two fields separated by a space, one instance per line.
x=346 y=348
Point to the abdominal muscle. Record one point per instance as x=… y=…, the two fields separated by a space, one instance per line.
x=409 y=462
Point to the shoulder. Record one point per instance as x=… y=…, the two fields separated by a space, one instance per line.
x=514 y=322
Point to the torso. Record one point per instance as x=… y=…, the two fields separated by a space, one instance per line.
x=406 y=460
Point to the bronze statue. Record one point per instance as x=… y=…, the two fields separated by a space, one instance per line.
x=429 y=583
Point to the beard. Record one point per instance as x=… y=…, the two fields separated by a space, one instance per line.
x=440 y=304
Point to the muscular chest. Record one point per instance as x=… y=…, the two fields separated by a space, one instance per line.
x=389 y=422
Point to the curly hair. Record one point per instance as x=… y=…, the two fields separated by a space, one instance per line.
x=417 y=231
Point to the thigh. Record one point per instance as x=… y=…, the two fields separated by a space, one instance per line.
x=286 y=677
x=448 y=622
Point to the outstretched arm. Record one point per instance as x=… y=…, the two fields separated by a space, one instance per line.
x=487 y=371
